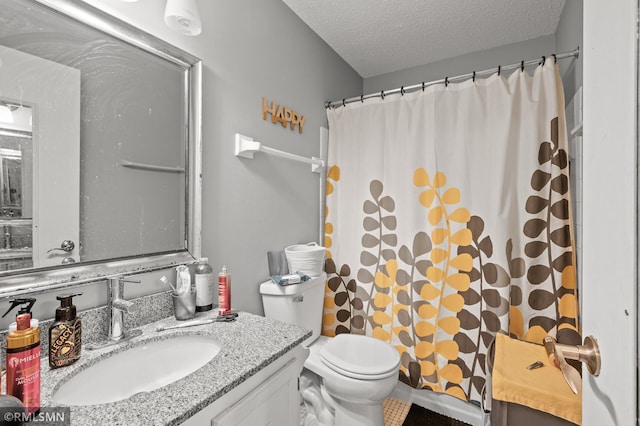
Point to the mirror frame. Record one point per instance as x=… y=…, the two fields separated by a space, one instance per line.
x=47 y=279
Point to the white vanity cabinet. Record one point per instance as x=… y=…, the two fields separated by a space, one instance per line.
x=269 y=397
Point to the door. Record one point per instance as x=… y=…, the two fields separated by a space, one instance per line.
x=609 y=296
x=53 y=93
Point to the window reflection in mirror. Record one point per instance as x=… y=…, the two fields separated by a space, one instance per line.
x=16 y=186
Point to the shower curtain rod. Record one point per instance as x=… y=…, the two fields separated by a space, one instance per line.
x=573 y=54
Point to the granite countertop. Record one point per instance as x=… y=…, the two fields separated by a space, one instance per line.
x=247 y=345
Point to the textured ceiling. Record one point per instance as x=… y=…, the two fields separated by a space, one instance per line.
x=381 y=36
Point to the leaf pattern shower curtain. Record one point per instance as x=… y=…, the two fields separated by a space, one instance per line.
x=448 y=220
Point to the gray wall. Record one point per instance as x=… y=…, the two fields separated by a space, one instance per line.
x=568 y=37
x=464 y=64
x=261 y=48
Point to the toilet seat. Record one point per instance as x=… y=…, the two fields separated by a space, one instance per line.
x=360 y=357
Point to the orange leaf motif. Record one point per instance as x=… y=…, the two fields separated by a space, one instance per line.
x=421 y=177
x=427 y=368
x=463 y=262
x=516 y=322
x=438 y=255
x=451 y=373
x=569 y=277
x=451 y=325
x=329 y=188
x=381 y=318
x=381 y=300
x=460 y=215
x=382 y=280
x=438 y=235
x=439 y=180
x=460 y=282
x=423 y=349
x=448 y=349
x=424 y=329
x=435 y=274
x=426 y=197
x=334 y=173
x=428 y=292
x=457 y=392
x=567 y=306
x=435 y=215
x=463 y=237
x=382 y=334
x=453 y=302
x=451 y=196
x=427 y=310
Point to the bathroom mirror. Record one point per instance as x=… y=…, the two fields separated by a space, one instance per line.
x=99 y=147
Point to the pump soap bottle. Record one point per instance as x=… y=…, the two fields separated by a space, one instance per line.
x=204 y=285
x=23 y=356
x=65 y=334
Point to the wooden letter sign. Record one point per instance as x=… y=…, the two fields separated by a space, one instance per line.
x=282 y=115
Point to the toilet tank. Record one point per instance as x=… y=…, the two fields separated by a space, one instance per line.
x=298 y=304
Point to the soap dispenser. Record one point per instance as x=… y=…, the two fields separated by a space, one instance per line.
x=65 y=334
x=23 y=356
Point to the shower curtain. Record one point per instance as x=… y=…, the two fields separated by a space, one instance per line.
x=448 y=220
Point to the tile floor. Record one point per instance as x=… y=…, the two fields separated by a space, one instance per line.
x=395 y=411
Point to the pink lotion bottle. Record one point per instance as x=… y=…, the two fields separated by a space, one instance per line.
x=224 y=292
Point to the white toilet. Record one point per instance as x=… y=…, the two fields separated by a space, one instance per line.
x=346 y=377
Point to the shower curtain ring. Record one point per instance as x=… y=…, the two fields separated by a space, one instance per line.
x=423 y=86
x=446 y=82
x=544 y=59
x=474 y=77
x=522 y=66
x=362 y=98
x=499 y=69
x=402 y=90
x=343 y=103
x=382 y=94
x=555 y=58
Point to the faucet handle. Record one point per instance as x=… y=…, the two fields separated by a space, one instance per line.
x=125 y=305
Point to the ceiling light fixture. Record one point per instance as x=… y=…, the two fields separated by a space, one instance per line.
x=183 y=16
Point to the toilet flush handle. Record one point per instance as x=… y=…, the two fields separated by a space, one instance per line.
x=298 y=299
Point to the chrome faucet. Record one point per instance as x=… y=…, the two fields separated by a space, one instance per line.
x=117 y=306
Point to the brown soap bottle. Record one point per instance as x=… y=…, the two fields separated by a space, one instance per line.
x=65 y=334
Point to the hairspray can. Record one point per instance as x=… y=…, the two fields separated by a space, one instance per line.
x=224 y=292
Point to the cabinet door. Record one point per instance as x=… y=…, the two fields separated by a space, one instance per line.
x=275 y=402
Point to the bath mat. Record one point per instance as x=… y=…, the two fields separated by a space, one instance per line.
x=419 y=416
x=395 y=411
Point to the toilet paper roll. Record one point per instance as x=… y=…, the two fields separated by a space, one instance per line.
x=183 y=16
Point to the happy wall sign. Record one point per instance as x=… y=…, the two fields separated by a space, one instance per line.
x=283 y=115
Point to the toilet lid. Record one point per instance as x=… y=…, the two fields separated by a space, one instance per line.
x=360 y=357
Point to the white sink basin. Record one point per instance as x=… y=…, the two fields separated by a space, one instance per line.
x=139 y=369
